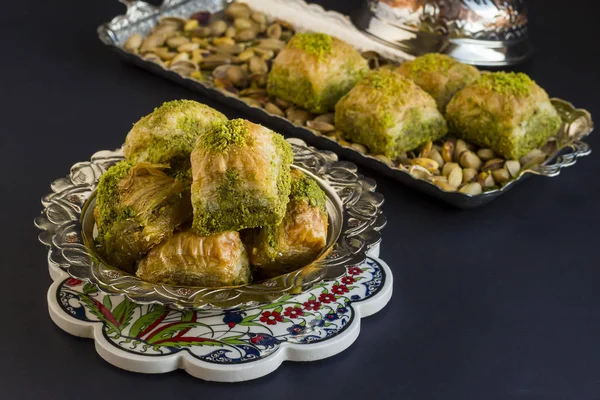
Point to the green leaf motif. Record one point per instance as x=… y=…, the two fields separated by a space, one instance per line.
x=124 y=312
x=146 y=320
x=89 y=288
x=107 y=302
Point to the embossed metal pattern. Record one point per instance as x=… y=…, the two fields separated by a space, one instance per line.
x=480 y=32
x=67 y=215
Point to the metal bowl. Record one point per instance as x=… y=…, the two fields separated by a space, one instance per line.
x=355 y=219
x=478 y=32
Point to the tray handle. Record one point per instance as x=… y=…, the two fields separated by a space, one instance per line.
x=573 y=150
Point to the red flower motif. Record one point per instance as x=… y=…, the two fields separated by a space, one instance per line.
x=312 y=305
x=354 y=271
x=348 y=280
x=295 y=312
x=73 y=282
x=327 y=297
x=339 y=289
x=271 y=318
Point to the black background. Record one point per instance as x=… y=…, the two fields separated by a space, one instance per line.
x=495 y=303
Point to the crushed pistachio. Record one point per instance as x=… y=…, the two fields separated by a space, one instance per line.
x=515 y=83
x=107 y=197
x=317 y=44
x=433 y=62
x=224 y=134
x=388 y=83
x=304 y=187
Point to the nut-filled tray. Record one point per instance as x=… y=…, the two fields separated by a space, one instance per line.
x=242 y=88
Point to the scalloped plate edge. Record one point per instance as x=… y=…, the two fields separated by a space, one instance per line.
x=214 y=372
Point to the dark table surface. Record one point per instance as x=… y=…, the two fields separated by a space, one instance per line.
x=500 y=302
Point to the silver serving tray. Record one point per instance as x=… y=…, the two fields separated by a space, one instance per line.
x=141 y=17
x=355 y=220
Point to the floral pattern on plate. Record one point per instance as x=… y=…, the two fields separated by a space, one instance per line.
x=229 y=337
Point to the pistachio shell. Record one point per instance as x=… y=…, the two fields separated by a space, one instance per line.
x=183 y=67
x=328 y=117
x=246 y=55
x=181 y=57
x=243 y=23
x=153 y=41
x=468 y=159
x=215 y=60
x=238 y=10
x=230 y=48
x=513 y=167
x=459 y=147
x=251 y=101
x=164 y=53
x=485 y=154
x=427 y=163
x=535 y=156
x=419 y=172
x=191 y=25
x=446 y=186
x=283 y=104
x=231 y=32
x=320 y=126
x=274 y=31
x=485 y=179
x=455 y=177
x=176 y=41
x=258 y=66
x=176 y=22
x=359 y=147
x=223 y=40
x=448 y=151
x=426 y=149
x=188 y=47
x=246 y=35
x=500 y=175
x=273 y=109
x=237 y=76
x=435 y=155
x=298 y=114
x=218 y=27
x=384 y=159
x=201 y=32
x=259 y=18
x=448 y=167
x=271 y=44
x=469 y=174
x=471 y=188
x=134 y=42
x=493 y=164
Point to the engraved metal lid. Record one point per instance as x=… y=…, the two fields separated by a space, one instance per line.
x=478 y=32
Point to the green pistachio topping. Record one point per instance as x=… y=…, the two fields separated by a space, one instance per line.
x=304 y=187
x=317 y=44
x=433 y=62
x=107 y=197
x=388 y=83
x=515 y=83
x=224 y=134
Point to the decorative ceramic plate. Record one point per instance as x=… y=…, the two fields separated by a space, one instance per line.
x=227 y=346
x=355 y=222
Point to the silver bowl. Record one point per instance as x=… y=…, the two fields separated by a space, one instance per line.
x=355 y=221
x=478 y=32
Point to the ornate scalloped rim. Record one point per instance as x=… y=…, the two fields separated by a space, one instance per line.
x=61 y=231
x=217 y=372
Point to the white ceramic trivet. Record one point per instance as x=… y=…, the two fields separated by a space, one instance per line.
x=230 y=346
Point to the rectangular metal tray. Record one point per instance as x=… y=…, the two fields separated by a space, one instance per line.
x=141 y=18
